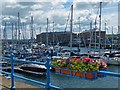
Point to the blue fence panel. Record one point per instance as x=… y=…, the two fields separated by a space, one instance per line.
x=47 y=64
x=12 y=72
x=109 y=73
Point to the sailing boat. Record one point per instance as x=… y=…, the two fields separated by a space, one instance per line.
x=112 y=57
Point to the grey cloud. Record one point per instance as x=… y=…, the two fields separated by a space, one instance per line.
x=55 y=12
x=89 y=5
x=14 y=11
x=27 y=3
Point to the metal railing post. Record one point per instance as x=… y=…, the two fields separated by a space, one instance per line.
x=48 y=74
x=12 y=72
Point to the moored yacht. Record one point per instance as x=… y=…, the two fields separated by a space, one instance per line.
x=33 y=69
x=112 y=58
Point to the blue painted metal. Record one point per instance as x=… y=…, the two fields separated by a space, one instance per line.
x=23 y=60
x=7 y=73
x=27 y=61
x=12 y=73
x=104 y=72
x=48 y=74
x=5 y=58
x=94 y=73
x=54 y=87
x=47 y=64
x=24 y=78
x=71 y=72
x=31 y=80
x=109 y=73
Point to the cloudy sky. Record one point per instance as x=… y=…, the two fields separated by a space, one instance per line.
x=58 y=11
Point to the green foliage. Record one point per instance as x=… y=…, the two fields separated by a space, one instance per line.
x=86 y=65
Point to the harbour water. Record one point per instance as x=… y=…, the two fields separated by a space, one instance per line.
x=68 y=82
x=24 y=25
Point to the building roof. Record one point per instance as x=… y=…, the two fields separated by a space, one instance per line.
x=65 y=32
x=92 y=30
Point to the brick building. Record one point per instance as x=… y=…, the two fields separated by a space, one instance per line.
x=63 y=38
x=86 y=36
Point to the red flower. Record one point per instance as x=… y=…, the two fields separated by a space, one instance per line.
x=86 y=59
x=61 y=58
x=91 y=61
x=75 y=58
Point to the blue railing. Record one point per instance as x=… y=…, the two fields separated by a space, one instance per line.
x=47 y=85
x=113 y=74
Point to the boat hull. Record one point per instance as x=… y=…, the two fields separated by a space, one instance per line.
x=112 y=61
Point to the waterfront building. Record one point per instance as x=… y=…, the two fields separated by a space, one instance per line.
x=88 y=36
x=63 y=38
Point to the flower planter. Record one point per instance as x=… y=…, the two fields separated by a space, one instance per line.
x=56 y=70
x=73 y=67
x=86 y=75
x=91 y=75
x=102 y=75
x=65 y=72
x=79 y=74
x=62 y=71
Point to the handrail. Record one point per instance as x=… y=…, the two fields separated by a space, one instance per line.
x=12 y=72
x=27 y=79
x=47 y=65
x=114 y=74
x=23 y=60
x=109 y=73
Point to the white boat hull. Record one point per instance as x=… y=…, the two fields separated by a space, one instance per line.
x=112 y=61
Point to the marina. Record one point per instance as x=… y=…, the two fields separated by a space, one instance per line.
x=66 y=82
x=57 y=79
x=37 y=53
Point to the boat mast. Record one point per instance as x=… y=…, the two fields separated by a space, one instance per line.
x=112 y=38
x=100 y=27
x=5 y=36
x=32 y=37
x=119 y=36
x=105 y=35
x=18 y=30
x=21 y=27
x=25 y=30
x=26 y=33
x=47 y=33
x=15 y=35
x=95 y=34
x=71 y=27
x=12 y=36
x=79 y=32
x=53 y=33
x=90 y=34
x=40 y=35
